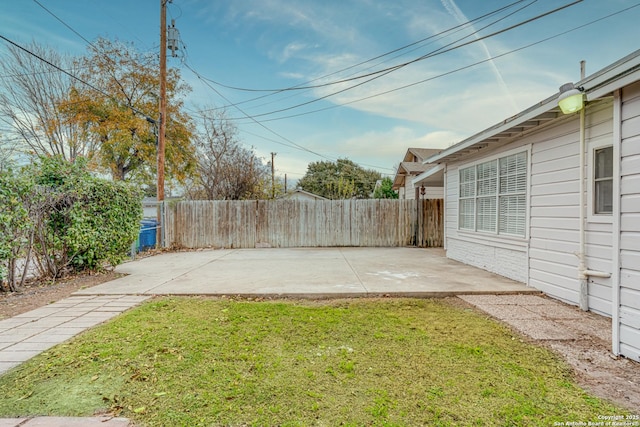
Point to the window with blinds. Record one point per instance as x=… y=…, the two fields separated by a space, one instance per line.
x=493 y=196
x=603 y=181
x=467 y=214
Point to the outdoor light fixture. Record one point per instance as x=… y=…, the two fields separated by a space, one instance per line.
x=571 y=99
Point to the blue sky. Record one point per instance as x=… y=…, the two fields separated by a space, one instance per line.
x=278 y=44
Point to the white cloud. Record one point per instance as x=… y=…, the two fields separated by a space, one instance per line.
x=393 y=143
x=290 y=50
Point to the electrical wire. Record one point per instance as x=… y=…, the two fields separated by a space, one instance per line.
x=443 y=49
x=452 y=71
x=303 y=86
x=388 y=70
x=63 y=23
x=289 y=143
x=293 y=144
x=91 y=45
x=89 y=85
x=458 y=28
x=447 y=48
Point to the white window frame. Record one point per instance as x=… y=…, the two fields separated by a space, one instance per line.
x=496 y=158
x=593 y=146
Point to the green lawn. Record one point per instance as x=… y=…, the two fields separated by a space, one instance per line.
x=387 y=362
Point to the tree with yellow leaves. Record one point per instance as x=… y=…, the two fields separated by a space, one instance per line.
x=116 y=119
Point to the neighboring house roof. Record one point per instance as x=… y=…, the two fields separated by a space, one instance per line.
x=419 y=154
x=301 y=194
x=600 y=84
x=412 y=165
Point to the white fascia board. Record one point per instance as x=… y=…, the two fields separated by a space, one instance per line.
x=606 y=89
x=612 y=75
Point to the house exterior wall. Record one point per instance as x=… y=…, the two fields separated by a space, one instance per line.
x=629 y=296
x=555 y=211
x=506 y=256
x=434 y=193
x=408 y=190
x=599 y=228
x=402 y=193
x=546 y=258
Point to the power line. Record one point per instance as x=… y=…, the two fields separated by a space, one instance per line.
x=113 y=62
x=386 y=71
x=449 y=72
x=291 y=143
x=11 y=76
x=444 y=49
x=62 y=22
x=335 y=158
x=306 y=85
x=89 y=85
x=380 y=73
x=457 y=28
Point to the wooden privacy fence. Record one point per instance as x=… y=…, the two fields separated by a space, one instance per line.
x=298 y=223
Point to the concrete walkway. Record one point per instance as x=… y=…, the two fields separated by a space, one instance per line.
x=31 y=333
x=28 y=334
x=301 y=273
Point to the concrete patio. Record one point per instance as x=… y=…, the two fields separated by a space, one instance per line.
x=305 y=273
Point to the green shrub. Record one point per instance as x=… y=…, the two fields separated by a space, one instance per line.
x=91 y=220
x=15 y=224
x=69 y=219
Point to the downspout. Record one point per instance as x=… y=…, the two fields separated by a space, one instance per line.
x=583 y=296
x=583 y=272
x=615 y=280
x=444 y=209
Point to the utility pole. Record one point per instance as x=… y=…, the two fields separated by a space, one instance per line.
x=162 y=119
x=273 y=176
x=163 y=98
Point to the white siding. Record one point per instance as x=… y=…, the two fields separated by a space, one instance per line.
x=554 y=220
x=547 y=259
x=599 y=232
x=409 y=192
x=555 y=211
x=434 y=193
x=629 y=320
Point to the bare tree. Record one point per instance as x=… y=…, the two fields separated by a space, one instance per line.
x=9 y=152
x=30 y=93
x=226 y=170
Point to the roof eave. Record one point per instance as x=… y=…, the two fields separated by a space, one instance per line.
x=601 y=83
